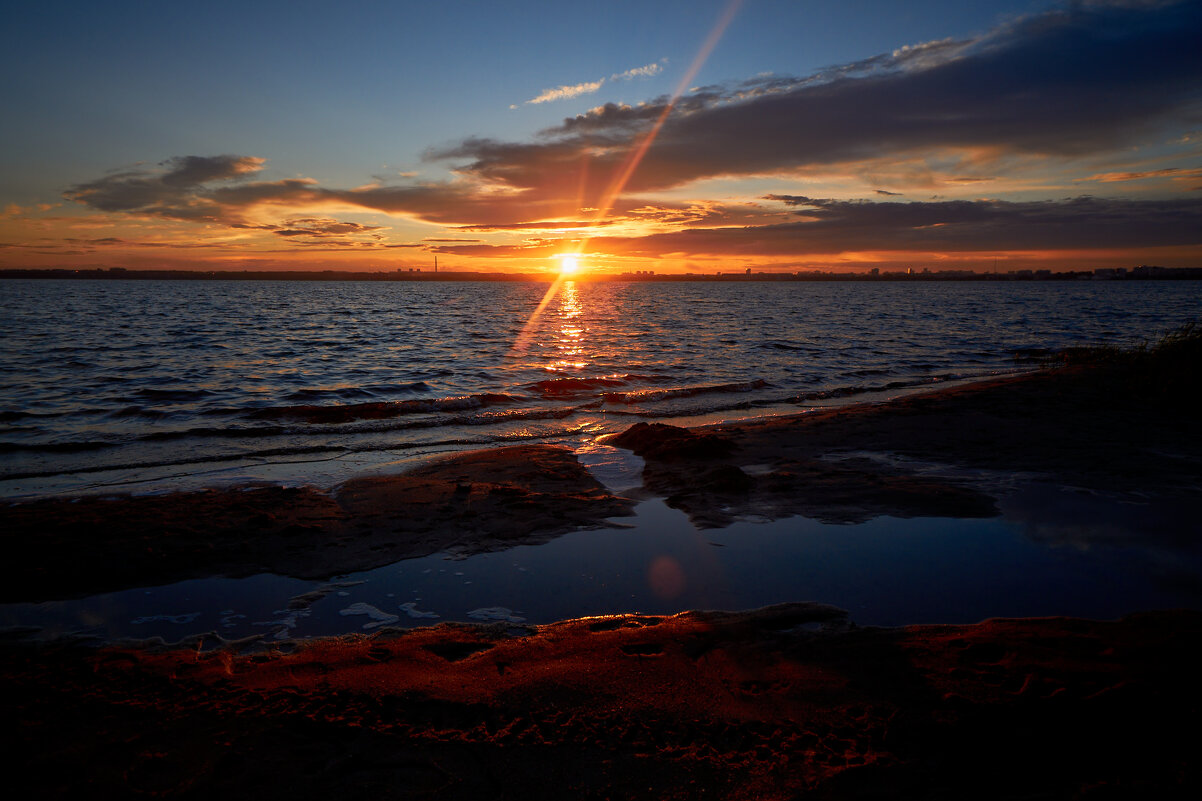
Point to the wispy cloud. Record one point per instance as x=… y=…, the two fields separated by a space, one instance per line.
x=569 y=91
x=645 y=71
x=1193 y=175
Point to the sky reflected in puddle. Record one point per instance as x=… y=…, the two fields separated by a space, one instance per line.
x=888 y=571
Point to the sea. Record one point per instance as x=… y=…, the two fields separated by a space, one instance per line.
x=123 y=386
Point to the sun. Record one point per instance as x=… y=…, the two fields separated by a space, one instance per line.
x=568 y=264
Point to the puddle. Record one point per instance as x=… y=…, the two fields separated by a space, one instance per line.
x=1053 y=552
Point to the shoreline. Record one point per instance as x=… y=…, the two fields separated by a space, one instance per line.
x=313 y=465
x=952 y=451
x=787 y=700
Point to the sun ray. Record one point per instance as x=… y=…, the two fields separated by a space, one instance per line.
x=636 y=154
x=633 y=159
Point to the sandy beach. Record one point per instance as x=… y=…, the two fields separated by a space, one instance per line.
x=784 y=702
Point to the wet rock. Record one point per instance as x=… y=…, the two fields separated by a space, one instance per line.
x=665 y=442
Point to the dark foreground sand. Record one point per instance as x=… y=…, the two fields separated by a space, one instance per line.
x=787 y=702
x=701 y=705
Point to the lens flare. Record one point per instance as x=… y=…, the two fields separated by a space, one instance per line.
x=569 y=263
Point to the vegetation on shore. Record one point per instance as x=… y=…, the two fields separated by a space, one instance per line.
x=1168 y=370
x=1183 y=343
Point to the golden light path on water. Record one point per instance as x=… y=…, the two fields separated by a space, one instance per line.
x=569 y=351
x=570 y=345
x=633 y=159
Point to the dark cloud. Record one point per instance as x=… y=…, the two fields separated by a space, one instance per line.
x=524 y=226
x=320 y=228
x=104 y=240
x=825 y=226
x=891 y=194
x=174 y=190
x=196 y=170
x=1084 y=80
x=832 y=226
x=114 y=241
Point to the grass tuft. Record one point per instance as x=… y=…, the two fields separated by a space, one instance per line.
x=1181 y=345
x=1164 y=375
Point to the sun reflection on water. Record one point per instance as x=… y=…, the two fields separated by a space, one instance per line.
x=569 y=342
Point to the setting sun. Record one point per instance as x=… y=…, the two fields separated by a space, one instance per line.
x=568 y=265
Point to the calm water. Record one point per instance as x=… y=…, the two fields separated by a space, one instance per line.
x=150 y=385
x=887 y=571
x=147 y=387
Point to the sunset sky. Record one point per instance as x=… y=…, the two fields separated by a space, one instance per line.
x=673 y=136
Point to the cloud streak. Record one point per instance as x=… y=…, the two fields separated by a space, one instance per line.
x=569 y=91
x=1192 y=176
x=645 y=71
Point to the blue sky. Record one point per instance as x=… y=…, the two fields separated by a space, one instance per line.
x=362 y=94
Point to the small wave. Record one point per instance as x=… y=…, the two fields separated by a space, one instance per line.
x=208 y=431
x=340 y=393
x=652 y=395
x=305 y=450
x=505 y=416
x=380 y=410
x=13 y=415
x=574 y=387
x=53 y=447
x=863 y=389
x=179 y=395
x=1030 y=355
x=777 y=345
x=138 y=411
x=384 y=389
x=483 y=418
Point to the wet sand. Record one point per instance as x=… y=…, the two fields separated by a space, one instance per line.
x=787 y=702
x=952 y=453
x=467 y=503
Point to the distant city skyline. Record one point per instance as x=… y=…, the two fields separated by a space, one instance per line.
x=679 y=137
